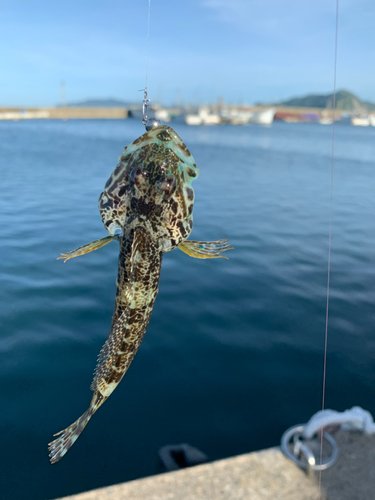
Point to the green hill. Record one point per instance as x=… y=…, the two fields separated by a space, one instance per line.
x=99 y=103
x=345 y=101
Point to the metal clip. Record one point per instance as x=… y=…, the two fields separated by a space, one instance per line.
x=149 y=123
x=145 y=106
x=299 y=448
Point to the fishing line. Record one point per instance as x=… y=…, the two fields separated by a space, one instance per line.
x=148 y=40
x=147 y=122
x=329 y=244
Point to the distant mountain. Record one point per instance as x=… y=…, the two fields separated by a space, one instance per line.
x=345 y=101
x=369 y=105
x=100 y=103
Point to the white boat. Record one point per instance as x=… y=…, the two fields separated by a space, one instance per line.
x=264 y=117
x=23 y=115
x=361 y=121
x=154 y=112
x=372 y=120
x=325 y=121
x=204 y=117
x=211 y=119
x=191 y=119
x=236 y=117
x=162 y=115
x=241 y=118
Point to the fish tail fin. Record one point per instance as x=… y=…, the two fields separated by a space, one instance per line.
x=68 y=437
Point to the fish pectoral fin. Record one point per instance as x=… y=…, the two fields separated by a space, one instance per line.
x=90 y=247
x=205 y=249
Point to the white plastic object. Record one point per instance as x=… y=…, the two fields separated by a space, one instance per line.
x=355 y=419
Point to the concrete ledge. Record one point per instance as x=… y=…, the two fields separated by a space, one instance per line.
x=259 y=476
x=263 y=475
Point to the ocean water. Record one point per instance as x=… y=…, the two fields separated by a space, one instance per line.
x=234 y=351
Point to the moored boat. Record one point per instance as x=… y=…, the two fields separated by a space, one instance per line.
x=264 y=117
x=203 y=117
x=361 y=121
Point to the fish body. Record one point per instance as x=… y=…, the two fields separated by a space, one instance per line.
x=148 y=199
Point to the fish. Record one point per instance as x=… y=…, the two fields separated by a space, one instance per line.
x=147 y=206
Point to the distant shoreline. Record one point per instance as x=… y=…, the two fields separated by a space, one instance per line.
x=61 y=113
x=121 y=113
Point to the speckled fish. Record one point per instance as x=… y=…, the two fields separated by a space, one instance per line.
x=148 y=199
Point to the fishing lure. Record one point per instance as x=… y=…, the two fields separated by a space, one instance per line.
x=148 y=199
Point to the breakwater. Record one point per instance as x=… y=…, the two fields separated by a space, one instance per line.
x=115 y=113
x=68 y=113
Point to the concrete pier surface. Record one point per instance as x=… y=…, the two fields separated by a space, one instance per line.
x=263 y=475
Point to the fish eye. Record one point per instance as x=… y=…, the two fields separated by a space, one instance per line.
x=171 y=179
x=134 y=173
x=137 y=176
x=168 y=186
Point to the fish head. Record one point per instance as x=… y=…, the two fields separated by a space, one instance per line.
x=151 y=187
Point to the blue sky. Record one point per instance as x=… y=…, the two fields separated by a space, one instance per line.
x=243 y=50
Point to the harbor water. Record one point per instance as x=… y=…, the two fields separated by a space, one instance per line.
x=234 y=351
